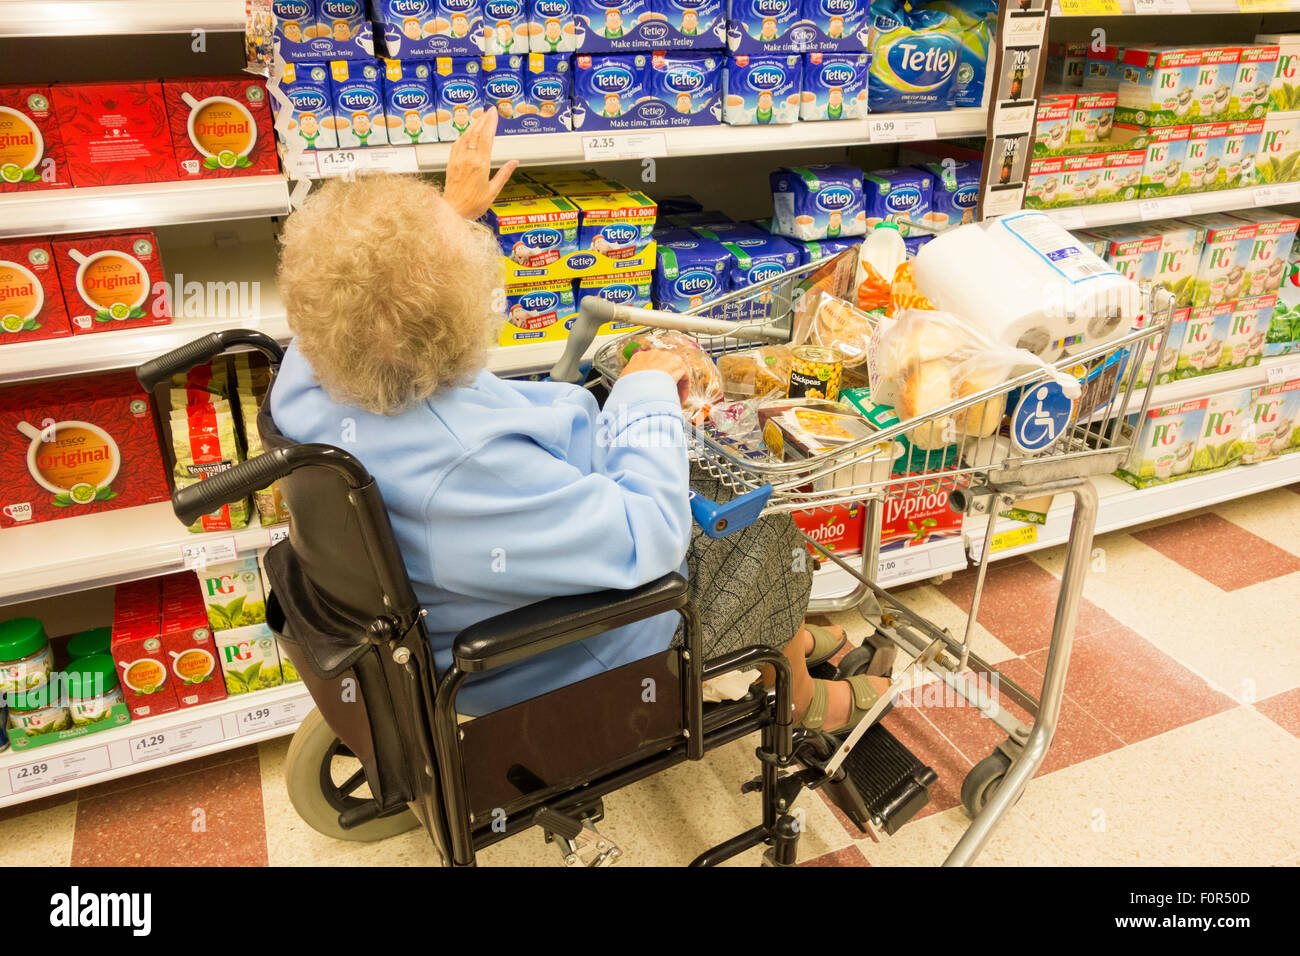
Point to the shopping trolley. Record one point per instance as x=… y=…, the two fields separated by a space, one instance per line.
x=1051 y=452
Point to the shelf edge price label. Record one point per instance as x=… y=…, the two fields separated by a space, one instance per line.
x=1144 y=7
x=159 y=743
x=44 y=771
x=1013 y=538
x=1277 y=374
x=1088 y=8
x=199 y=554
x=896 y=129
x=1264 y=6
x=611 y=146
x=277 y=533
x=269 y=716
x=1281 y=193
x=1069 y=218
x=1164 y=208
x=902 y=565
x=337 y=162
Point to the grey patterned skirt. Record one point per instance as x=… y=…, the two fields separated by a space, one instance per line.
x=750 y=587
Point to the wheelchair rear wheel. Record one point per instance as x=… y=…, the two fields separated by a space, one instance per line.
x=324 y=779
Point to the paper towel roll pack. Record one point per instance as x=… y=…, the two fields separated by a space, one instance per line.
x=1029 y=284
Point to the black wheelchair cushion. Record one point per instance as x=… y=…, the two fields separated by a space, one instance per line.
x=552 y=623
x=330 y=640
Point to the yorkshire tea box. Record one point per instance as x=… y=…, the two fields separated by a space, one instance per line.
x=1164 y=444
x=1219 y=441
x=1284 y=91
x=1272 y=428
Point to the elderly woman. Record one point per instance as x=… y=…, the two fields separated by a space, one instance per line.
x=504 y=492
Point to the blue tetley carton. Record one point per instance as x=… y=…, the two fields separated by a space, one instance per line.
x=458 y=89
x=756 y=259
x=699 y=24
x=613 y=26
x=359 y=103
x=547 y=86
x=631 y=289
x=834 y=86
x=501 y=79
x=409 y=106
x=310 y=119
x=551 y=26
x=761 y=90
x=798 y=26
x=423 y=29
x=638 y=90
x=954 y=193
x=322 y=30
x=897 y=195
x=691 y=272
x=505 y=27
x=687 y=82
x=534 y=308
x=817 y=249
x=818 y=202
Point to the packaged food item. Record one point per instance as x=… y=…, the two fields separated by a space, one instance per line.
x=146 y=680
x=756 y=372
x=31 y=143
x=37 y=712
x=1247 y=329
x=606 y=89
x=818 y=202
x=759 y=90
x=25 y=659
x=837 y=529
x=423 y=29
x=1052 y=122
x=910 y=518
x=1161 y=363
x=1219 y=443
x=914 y=61
x=309 y=117
x=232 y=593
x=795 y=429
x=1158 y=86
x=631 y=289
x=220 y=127
x=590 y=187
x=410 y=110
x=1102 y=69
x=1121 y=177
x=1278 y=158
x=95 y=640
x=706 y=383
x=502 y=82
x=879 y=260
x=548 y=91
x=523 y=191
x=756 y=259
x=535 y=232
x=295 y=20
x=617 y=225
x=552 y=177
x=505 y=27
x=77 y=446
x=843 y=327
x=815 y=372
x=31 y=303
x=1216 y=75
x=691 y=273
x=814 y=250
x=608 y=25
x=954 y=193
x=551 y=26
x=688 y=83
x=763 y=26
x=1274 y=419
x=252 y=384
x=1284 y=90
x=1204 y=335
x=1156 y=255
x=250 y=659
x=115 y=133
x=897 y=195
x=92 y=689
x=1091 y=117
x=1283 y=336
x=205 y=443
x=834 y=86
x=1164 y=441
x=112 y=280
x=1164 y=172
x=536 y=309
x=339 y=20
x=1066 y=62
x=1256 y=66
x=1267 y=254
x=458 y=89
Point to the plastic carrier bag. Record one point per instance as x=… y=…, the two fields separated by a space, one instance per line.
x=841 y=326
x=706 y=384
x=921 y=361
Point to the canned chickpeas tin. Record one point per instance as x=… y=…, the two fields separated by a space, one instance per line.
x=815 y=372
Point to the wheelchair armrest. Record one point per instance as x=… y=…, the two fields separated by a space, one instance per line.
x=558 y=621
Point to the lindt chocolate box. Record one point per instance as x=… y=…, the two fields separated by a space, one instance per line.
x=220 y=127
x=31 y=302
x=31 y=144
x=112 y=281
x=115 y=133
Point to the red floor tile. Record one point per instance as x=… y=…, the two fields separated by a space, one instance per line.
x=1019 y=603
x=1283 y=709
x=1215 y=549
x=155 y=775
x=1132 y=688
x=213 y=817
x=848 y=856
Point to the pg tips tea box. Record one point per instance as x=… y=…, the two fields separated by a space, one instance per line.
x=115 y=133
x=1274 y=425
x=112 y=281
x=77 y=446
x=31 y=302
x=1164 y=444
x=1219 y=443
x=1158 y=86
x=221 y=127
x=1256 y=66
x=31 y=143
x=250 y=659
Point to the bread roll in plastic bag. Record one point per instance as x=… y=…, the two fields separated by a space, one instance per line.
x=843 y=327
x=706 y=383
x=921 y=361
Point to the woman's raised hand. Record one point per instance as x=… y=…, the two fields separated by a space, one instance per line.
x=661 y=360
x=470 y=188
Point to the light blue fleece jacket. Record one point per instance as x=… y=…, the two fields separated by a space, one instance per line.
x=503 y=493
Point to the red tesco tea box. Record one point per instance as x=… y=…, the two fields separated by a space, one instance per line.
x=112 y=280
x=79 y=446
x=31 y=143
x=917 y=516
x=115 y=133
x=137 y=649
x=187 y=641
x=221 y=126
x=31 y=302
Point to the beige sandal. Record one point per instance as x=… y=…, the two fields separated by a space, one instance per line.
x=864 y=698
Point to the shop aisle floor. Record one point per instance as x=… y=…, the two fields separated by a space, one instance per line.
x=1182 y=711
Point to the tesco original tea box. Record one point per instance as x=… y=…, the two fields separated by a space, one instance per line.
x=31 y=302
x=187 y=642
x=112 y=280
x=136 y=647
x=115 y=133
x=77 y=446
x=221 y=127
x=31 y=143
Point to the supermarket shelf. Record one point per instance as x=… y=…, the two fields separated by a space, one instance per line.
x=1137 y=210
x=52 y=211
x=72 y=554
x=1130 y=8
x=1123 y=506
x=1278 y=368
x=62 y=18
x=896 y=568
x=153 y=742
x=543 y=149
x=250 y=263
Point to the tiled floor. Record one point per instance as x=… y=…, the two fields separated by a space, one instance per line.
x=1179 y=740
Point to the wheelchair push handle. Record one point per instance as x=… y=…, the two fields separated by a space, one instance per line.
x=206 y=496
x=592 y=314
x=185 y=357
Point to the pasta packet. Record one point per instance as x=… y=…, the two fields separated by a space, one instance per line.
x=754 y=372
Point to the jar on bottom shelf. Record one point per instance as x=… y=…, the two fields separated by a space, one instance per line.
x=25 y=658
x=38 y=712
x=93 y=689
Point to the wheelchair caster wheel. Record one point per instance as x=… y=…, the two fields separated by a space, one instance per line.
x=855 y=662
x=983 y=781
x=323 y=779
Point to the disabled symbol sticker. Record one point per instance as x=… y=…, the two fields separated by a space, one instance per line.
x=1041 y=417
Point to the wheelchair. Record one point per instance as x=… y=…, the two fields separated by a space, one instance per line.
x=345 y=613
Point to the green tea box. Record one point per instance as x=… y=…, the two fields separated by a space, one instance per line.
x=1284 y=91
x=1256 y=66
x=1156 y=255
x=1164 y=444
x=1158 y=86
x=1219 y=444
x=1204 y=335
x=1163 y=172
x=1278 y=158
x=1283 y=336
x=1272 y=429
x=233 y=594
x=1244 y=343
x=250 y=659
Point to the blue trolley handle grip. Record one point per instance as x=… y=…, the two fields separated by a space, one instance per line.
x=718 y=520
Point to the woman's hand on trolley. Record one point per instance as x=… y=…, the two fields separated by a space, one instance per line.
x=470 y=187
x=661 y=360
